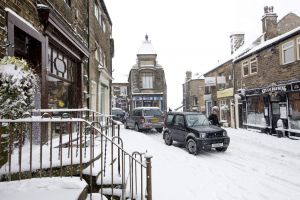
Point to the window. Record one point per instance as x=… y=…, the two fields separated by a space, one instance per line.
x=179 y=120
x=223 y=110
x=245 y=67
x=97 y=12
x=207 y=89
x=195 y=101
x=298 y=47
x=288 y=54
x=169 y=119
x=221 y=80
x=68 y=2
x=147 y=79
x=253 y=65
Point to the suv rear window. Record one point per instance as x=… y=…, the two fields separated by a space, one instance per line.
x=152 y=112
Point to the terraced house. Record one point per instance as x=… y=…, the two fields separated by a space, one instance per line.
x=68 y=43
x=267 y=77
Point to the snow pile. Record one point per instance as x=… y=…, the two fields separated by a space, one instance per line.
x=17 y=87
x=46 y=188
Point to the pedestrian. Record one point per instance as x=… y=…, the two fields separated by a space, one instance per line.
x=213 y=117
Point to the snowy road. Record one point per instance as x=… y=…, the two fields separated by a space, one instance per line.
x=255 y=166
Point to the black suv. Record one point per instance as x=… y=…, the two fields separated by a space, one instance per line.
x=195 y=131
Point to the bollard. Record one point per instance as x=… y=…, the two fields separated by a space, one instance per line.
x=149 y=177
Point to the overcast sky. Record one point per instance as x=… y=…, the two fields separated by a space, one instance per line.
x=186 y=35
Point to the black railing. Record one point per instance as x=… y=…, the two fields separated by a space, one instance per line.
x=73 y=142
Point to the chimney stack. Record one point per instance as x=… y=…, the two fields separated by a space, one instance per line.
x=236 y=41
x=269 y=23
x=188 y=75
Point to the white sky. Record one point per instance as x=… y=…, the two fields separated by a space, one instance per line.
x=187 y=35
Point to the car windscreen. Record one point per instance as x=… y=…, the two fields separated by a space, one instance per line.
x=117 y=112
x=196 y=120
x=152 y=112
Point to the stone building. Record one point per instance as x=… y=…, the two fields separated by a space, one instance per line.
x=120 y=95
x=147 y=84
x=59 y=39
x=219 y=92
x=193 y=93
x=267 y=77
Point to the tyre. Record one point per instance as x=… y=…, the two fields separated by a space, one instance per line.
x=136 y=128
x=168 y=138
x=159 y=130
x=221 y=149
x=192 y=146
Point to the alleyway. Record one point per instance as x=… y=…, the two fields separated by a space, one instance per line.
x=255 y=166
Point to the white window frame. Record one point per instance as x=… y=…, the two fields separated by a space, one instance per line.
x=147 y=80
x=298 y=48
x=98 y=12
x=287 y=47
x=253 y=60
x=244 y=64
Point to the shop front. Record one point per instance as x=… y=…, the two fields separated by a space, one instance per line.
x=272 y=107
x=148 y=101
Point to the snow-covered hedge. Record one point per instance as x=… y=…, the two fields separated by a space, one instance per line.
x=18 y=84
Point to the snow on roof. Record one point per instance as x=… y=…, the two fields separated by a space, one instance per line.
x=146 y=48
x=267 y=43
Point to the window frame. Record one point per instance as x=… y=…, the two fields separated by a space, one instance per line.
x=245 y=64
x=251 y=61
x=283 y=49
x=147 y=80
x=298 y=47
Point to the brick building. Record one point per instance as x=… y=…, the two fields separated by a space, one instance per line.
x=67 y=43
x=219 y=92
x=193 y=92
x=147 y=84
x=267 y=77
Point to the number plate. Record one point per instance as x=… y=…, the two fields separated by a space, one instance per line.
x=217 y=145
x=154 y=120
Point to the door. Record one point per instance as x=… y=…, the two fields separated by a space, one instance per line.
x=179 y=132
x=275 y=112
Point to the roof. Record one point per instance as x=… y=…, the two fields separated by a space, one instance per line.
x=146 y=48
x=268 y=43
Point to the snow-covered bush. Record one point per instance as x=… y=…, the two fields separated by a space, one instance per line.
x=18 y=85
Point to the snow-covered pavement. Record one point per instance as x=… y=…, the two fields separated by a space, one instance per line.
x=255 y=166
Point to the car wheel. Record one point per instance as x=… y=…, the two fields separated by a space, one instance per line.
x=168 y=138
x=192 y=146
x=222 y=149
x=159 y=130
x=136 y=127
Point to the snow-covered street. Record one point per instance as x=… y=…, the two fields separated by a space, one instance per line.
x=255 y=166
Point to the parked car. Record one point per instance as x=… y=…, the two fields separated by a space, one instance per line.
x=195 y=131
x=118 y=114
x=145 y=118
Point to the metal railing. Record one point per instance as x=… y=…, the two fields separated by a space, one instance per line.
x=73 y=142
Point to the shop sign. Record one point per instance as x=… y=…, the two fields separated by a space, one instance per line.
x=210 y=81
x=158 y=98
x=225 y=93
x=296 y=86
x=137 y=98
x=252 y=92
x=281 y=88
x=207 y=97
x=148 y=98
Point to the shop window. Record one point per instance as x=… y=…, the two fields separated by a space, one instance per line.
x=294 y=106
x=61 y=81
x=223 y=110
x=288 y=54
x=298 y=48
x=245 y=67
x=255 y=108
